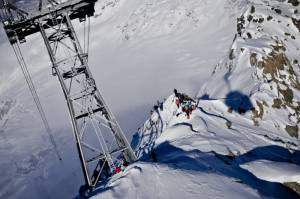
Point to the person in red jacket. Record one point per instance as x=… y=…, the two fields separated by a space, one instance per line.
x=118 y=170
x=177 y=102
x=179 y=98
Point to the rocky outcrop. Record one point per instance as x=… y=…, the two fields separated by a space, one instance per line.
x=263 y=63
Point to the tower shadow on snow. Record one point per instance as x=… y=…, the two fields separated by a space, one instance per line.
x=238 y=102
x=235 y=100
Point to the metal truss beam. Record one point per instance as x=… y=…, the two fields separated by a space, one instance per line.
x=25 y=26
x=100 y=142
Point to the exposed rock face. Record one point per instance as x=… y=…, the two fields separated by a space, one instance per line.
x=292 y=130
x=294 y=2
x=263 y=63
x=294 y=186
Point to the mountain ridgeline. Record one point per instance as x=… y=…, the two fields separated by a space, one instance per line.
x=264 y=65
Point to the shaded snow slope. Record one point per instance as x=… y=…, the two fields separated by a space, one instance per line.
x=215 y=154
x=144 y=180
x=139 y=51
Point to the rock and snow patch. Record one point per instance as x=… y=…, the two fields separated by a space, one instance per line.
x=263 y=65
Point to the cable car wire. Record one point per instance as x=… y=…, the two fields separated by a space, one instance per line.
x=35 y=96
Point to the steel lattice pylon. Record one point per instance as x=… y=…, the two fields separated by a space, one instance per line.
x=101 y=144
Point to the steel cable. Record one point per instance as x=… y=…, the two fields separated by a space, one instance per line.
x=35 y=96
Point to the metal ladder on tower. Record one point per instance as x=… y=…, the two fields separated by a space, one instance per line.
x=100 y=142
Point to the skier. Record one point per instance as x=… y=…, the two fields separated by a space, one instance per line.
x=160 y=105
x=175 y=92
x=185 y=109
x=187 y=103
x=151 y=115
x=177 y=102
x=118 y=170
x=188 y=107
x=179 y=98
x=191 y=108
x=120 y=167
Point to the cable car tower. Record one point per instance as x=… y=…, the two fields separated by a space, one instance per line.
x=100 y=142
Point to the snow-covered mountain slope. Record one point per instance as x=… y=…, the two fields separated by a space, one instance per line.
x=236 y=143
x=243 y=134
x=214 y=154
x=263 y=65
x=169 y=43
x=139 y=51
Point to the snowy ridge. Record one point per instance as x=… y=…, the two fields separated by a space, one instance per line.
x=263 y=65
x=144 y=140
x=140 y=65
x=238 y=137
x=214 y=149
x=236 y=148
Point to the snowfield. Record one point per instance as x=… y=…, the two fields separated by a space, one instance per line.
x=146 y=180
x=235 y=134
x=274 y=171
x=242 y=141
x=194 y=157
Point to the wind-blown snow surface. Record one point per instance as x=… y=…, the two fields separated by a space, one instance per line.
x=140 y=50
x=206 y=157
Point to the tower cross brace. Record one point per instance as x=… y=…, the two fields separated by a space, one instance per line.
x=100 y=142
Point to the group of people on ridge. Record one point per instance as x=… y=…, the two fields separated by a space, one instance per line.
x=187 y=104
